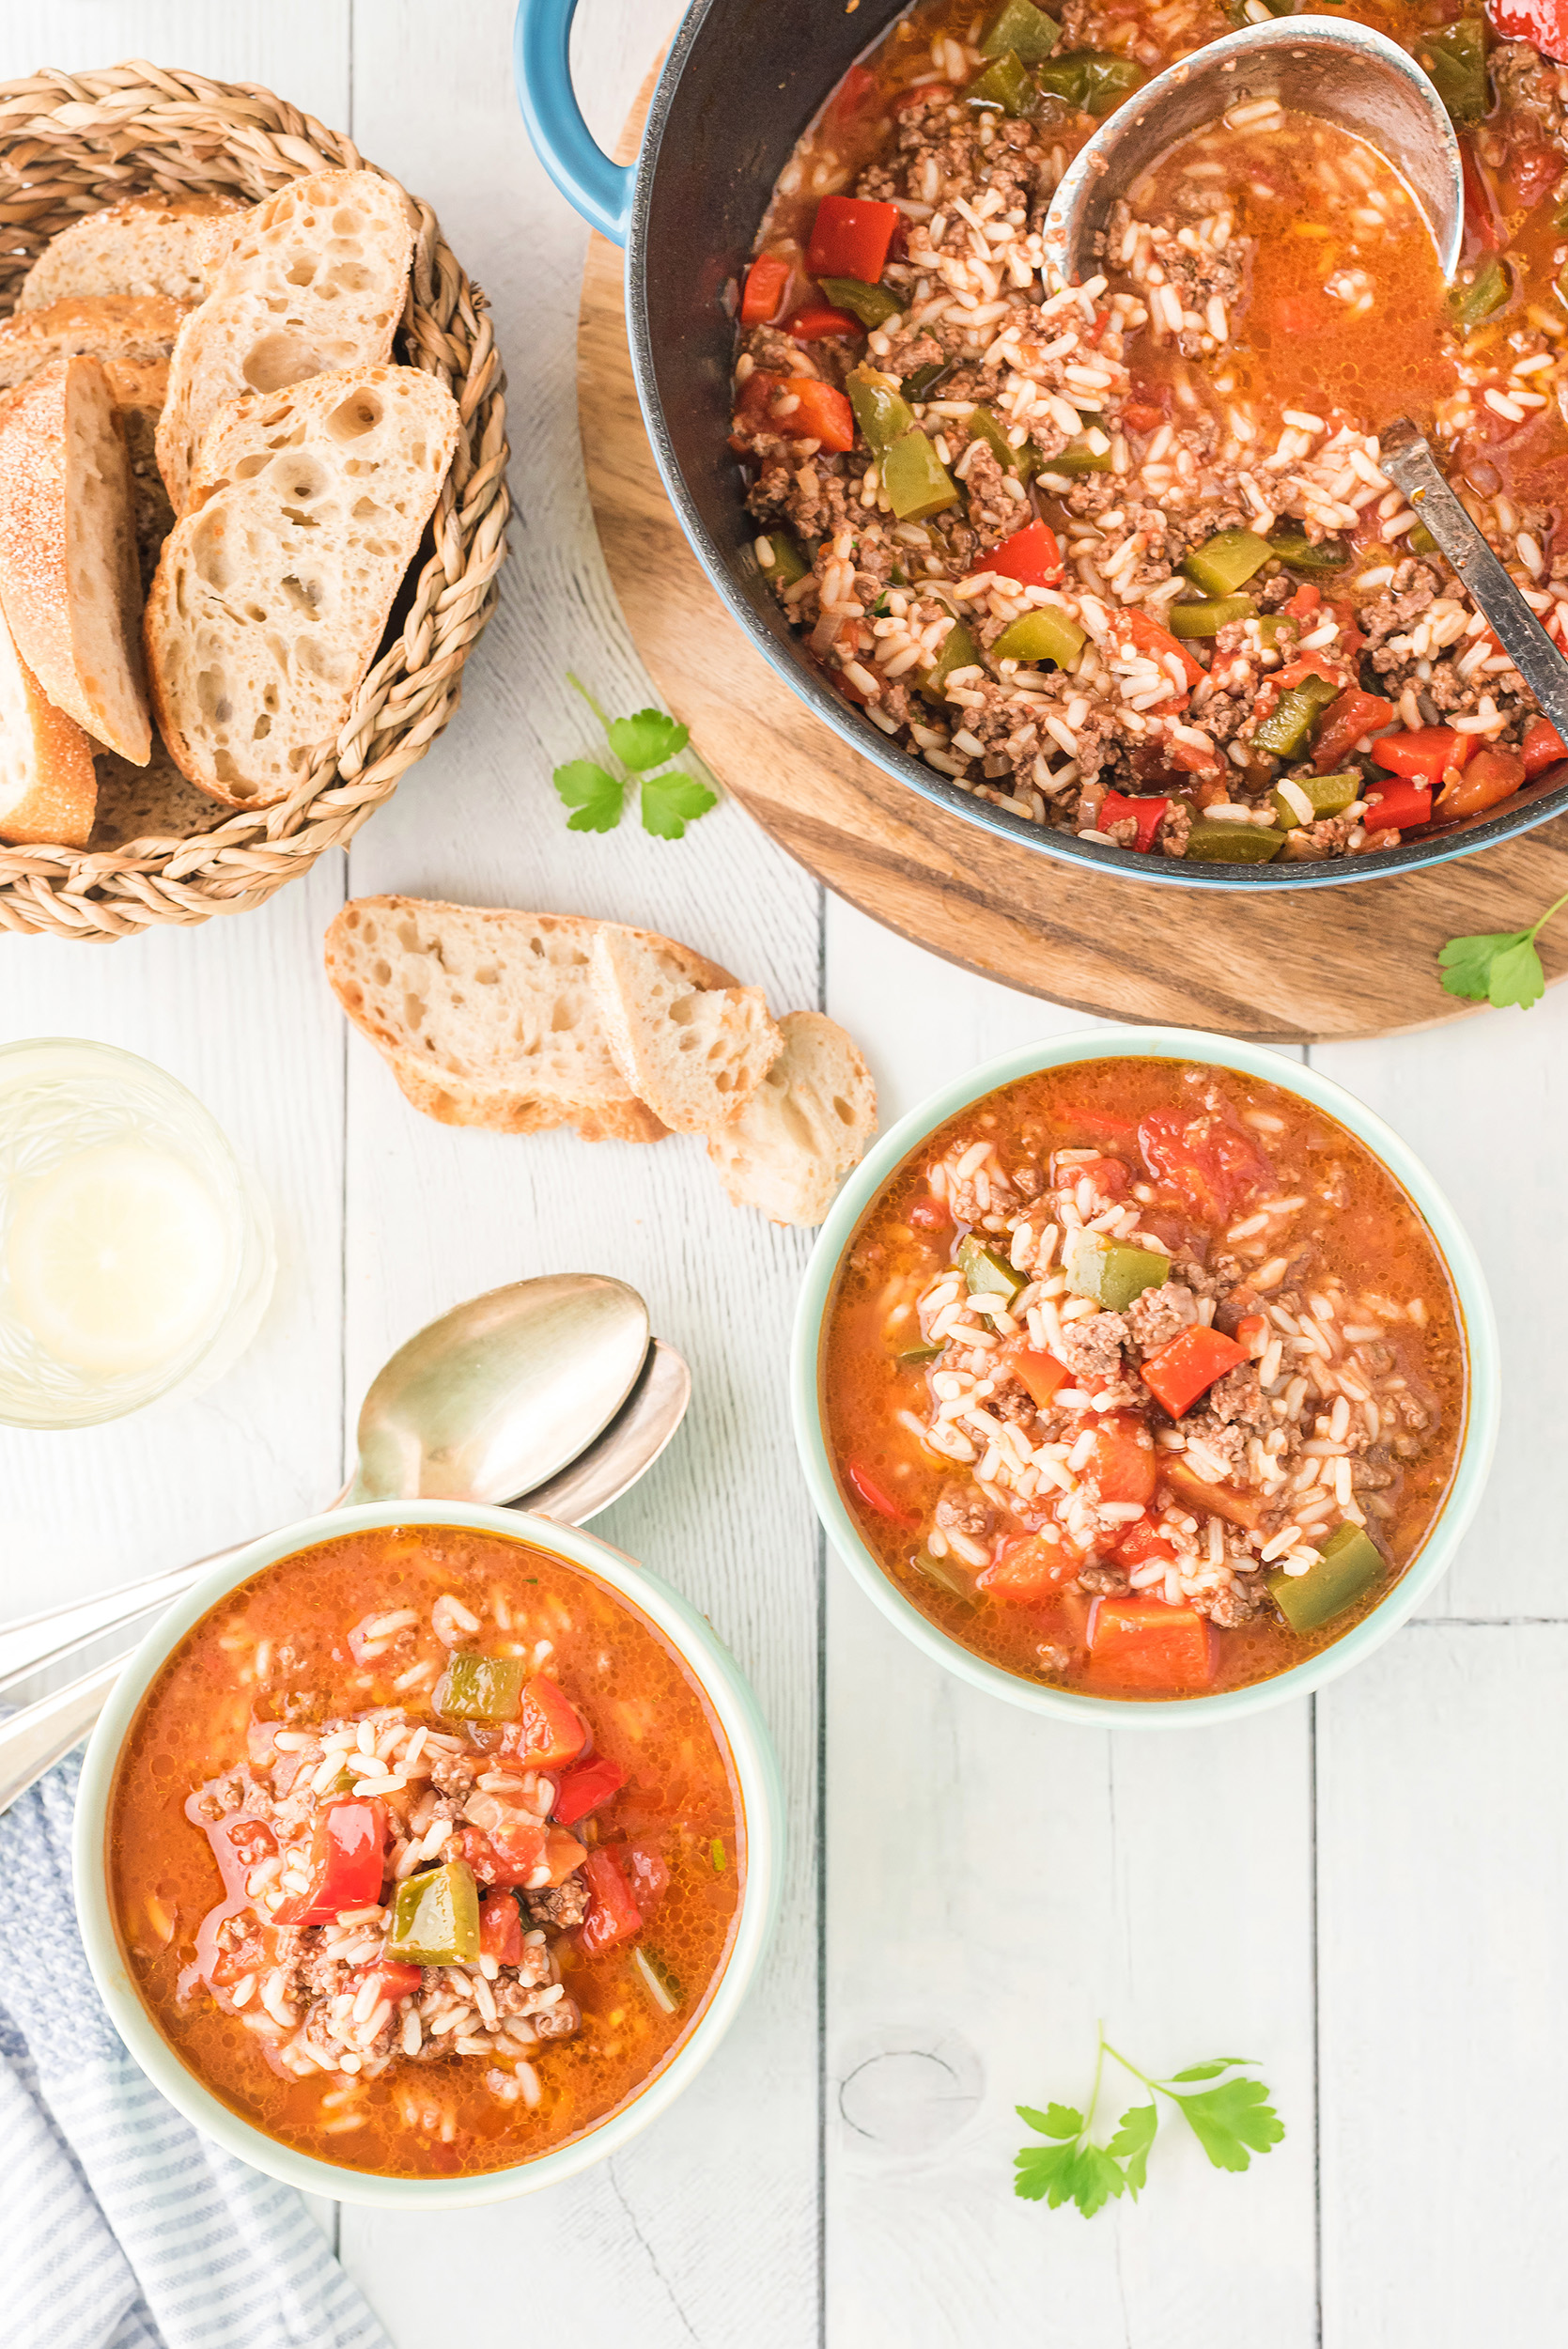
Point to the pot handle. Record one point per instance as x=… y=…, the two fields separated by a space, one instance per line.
x=541 y=66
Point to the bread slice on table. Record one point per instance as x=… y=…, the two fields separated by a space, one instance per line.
x=67 y=552
x=806 y=1124
x=694 y=1054
x=47 y=793
x=270 y=597
x=490 y=1017
x=101 y=326
x=313 y=284
x=156 y=244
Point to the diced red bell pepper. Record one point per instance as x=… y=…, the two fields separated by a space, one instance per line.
x=1344 y=724
x=501 y=1929
x=1398 y=805
x=613 y=1914
x=346 y=1862
x=1251 y=1334
x=548 y=1731
x=819 y=323
x=1220 y=1501
x=1032 y=1568
x=767 y=283
x=1307 y=664
x=1542 y=746
x=1533 y=170
x=1421 y=755
x=850 y=237
x=853 y=92
x=1490 y=777
x=1141 y=1643
x=563 y=1854
x=1030 y=556
x=1148 y=636
x=1122 y=1460
x=819 y=414
x=1542 y=23
x=504 y=1856
x=1144 y=1541
x=1482 y=233
x=586 y=1788
x=1209 y=1165
x=1189 y=1364
x=1041 y=1373
x=864 y=1484
x=1306 y=600
x=1148 y=815
x=647 y=1874
x=394 y=1978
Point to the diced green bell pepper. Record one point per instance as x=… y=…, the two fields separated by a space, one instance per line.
x=987 y=1273
x=436 y=1919
x=927 y=381
x=1077 y=458
x=1207 y=619
x=1327 y=794
x=881 y=411
x=1023 y=28
x=1090 y=79
x=479 y=1688
x=1288 y=727
x=1420 y=541
x=1023 y=461
x=1004 y=86
x=1043 y=634
x=943 y=1577
x=1225 y=840
x=1314 y=557
x=1455 y=59
x=1272 y=626
x=1111 y=1271
x=1488 y=290
x=1227 y=561
x=914 y=1357
x=959 y=650
x=788 y=563
x=917 y=482
x=871 y=304
x=1348 y=1566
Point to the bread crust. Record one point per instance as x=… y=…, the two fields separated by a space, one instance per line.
x=97 y=326
x=808 y=1123
x=47 y=788
x=149 y=246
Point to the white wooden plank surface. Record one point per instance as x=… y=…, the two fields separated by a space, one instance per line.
x=1367 y=1894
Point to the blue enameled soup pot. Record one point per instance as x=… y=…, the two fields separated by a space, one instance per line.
x=742 y=81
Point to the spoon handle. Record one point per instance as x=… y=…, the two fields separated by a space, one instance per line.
x=38 y=1640
x=34 y=1741
x=1406 y=459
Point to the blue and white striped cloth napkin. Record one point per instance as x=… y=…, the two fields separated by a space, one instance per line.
x=124 y=2228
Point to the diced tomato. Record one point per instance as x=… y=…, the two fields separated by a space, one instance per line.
x=613 y=1914
x=1042 y=1374
x=346 y=1862
x=1307 y=664
x=1398 y=805
x=1352 y=643
x=501 y=1929
x=1209 y=1165
x=1482 y=233
x=1148 y=815
x=1189 y=1364
x=1543 y=745
x=1421 y=757
x=1491 y=776
x=547 y=1729
x=1122 y=1461
x=1144 y=1541
x=505 y=1856
x=1141 y=416
x=1542 y=23
x=818 y=322
x=1141 y=1643
x=1148 y=636
x=871 y=1492
x=563 y=1854
x=648 y=1876
x=767 y=282
x=1030 y=556
x=850 y=237
x=1533 y=170
x=1306 y=598
x=853 y=92
x=936 y=92
x=1033 y=1567
x=394 y=1979
x=1220 y=1501
x=820 y=412
x=586 y=1788
x=930 y=1215
x=1344 y=724
x=1251 y=1332
x=1190 y=759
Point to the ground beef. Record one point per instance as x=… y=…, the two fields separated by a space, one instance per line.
x=1155 y=1315
x=809 y=496
x=1237 y=1602
x=992 y=511
x=961 y=1509
x=1102 y=1579
x=559 y=1906
x=1012 y=1401
x=1529 y=85
x=1238 y=1398
x=1091 y=1348
x=558 y=2021
x=455 y=1774
x=1413 y=587
x=1227 y=1443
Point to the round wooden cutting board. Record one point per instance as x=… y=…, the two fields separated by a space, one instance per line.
x=1277 y=966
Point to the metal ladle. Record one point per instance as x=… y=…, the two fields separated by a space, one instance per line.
x=547 y=1395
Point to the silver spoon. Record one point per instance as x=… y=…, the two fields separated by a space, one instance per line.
x=1345 y=72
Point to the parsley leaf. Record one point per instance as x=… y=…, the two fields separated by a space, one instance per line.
x=647 y=739
x=1056 y=2120
x=671 y=801
x=1227 y=2120
x=1497 y=967
x=1211 y=2070
x=1046 y=2173
x=596 y=796
x=1231 y=2121
x=1131 y=2144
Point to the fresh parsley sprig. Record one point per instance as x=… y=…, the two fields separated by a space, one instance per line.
x=1498 y=967
x=1231 y=2122
x=638 y=744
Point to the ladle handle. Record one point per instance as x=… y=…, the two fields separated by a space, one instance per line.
x=1410 y=465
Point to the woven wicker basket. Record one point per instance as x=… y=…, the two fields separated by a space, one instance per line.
x=71 y=143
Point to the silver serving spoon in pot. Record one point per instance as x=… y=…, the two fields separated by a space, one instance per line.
x=1347 y=73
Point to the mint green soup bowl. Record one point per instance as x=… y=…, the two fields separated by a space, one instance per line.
x=759 y=1795
x=1482 y=1404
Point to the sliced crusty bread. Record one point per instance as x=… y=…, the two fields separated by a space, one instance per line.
x=313 y=284
x=693 y=1053
x=806 y=1124
x=102 y=326
x=67 y=551
x=148 y=244
x=489 y=1018
x=47 y=789
x=150 y=803
x=270 y=596
x=139 y=389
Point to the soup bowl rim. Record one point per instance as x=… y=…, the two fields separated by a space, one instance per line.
x=761 y=1799
x=1482 y=1394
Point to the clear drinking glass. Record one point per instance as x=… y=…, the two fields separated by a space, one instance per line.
x=136 y=1251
